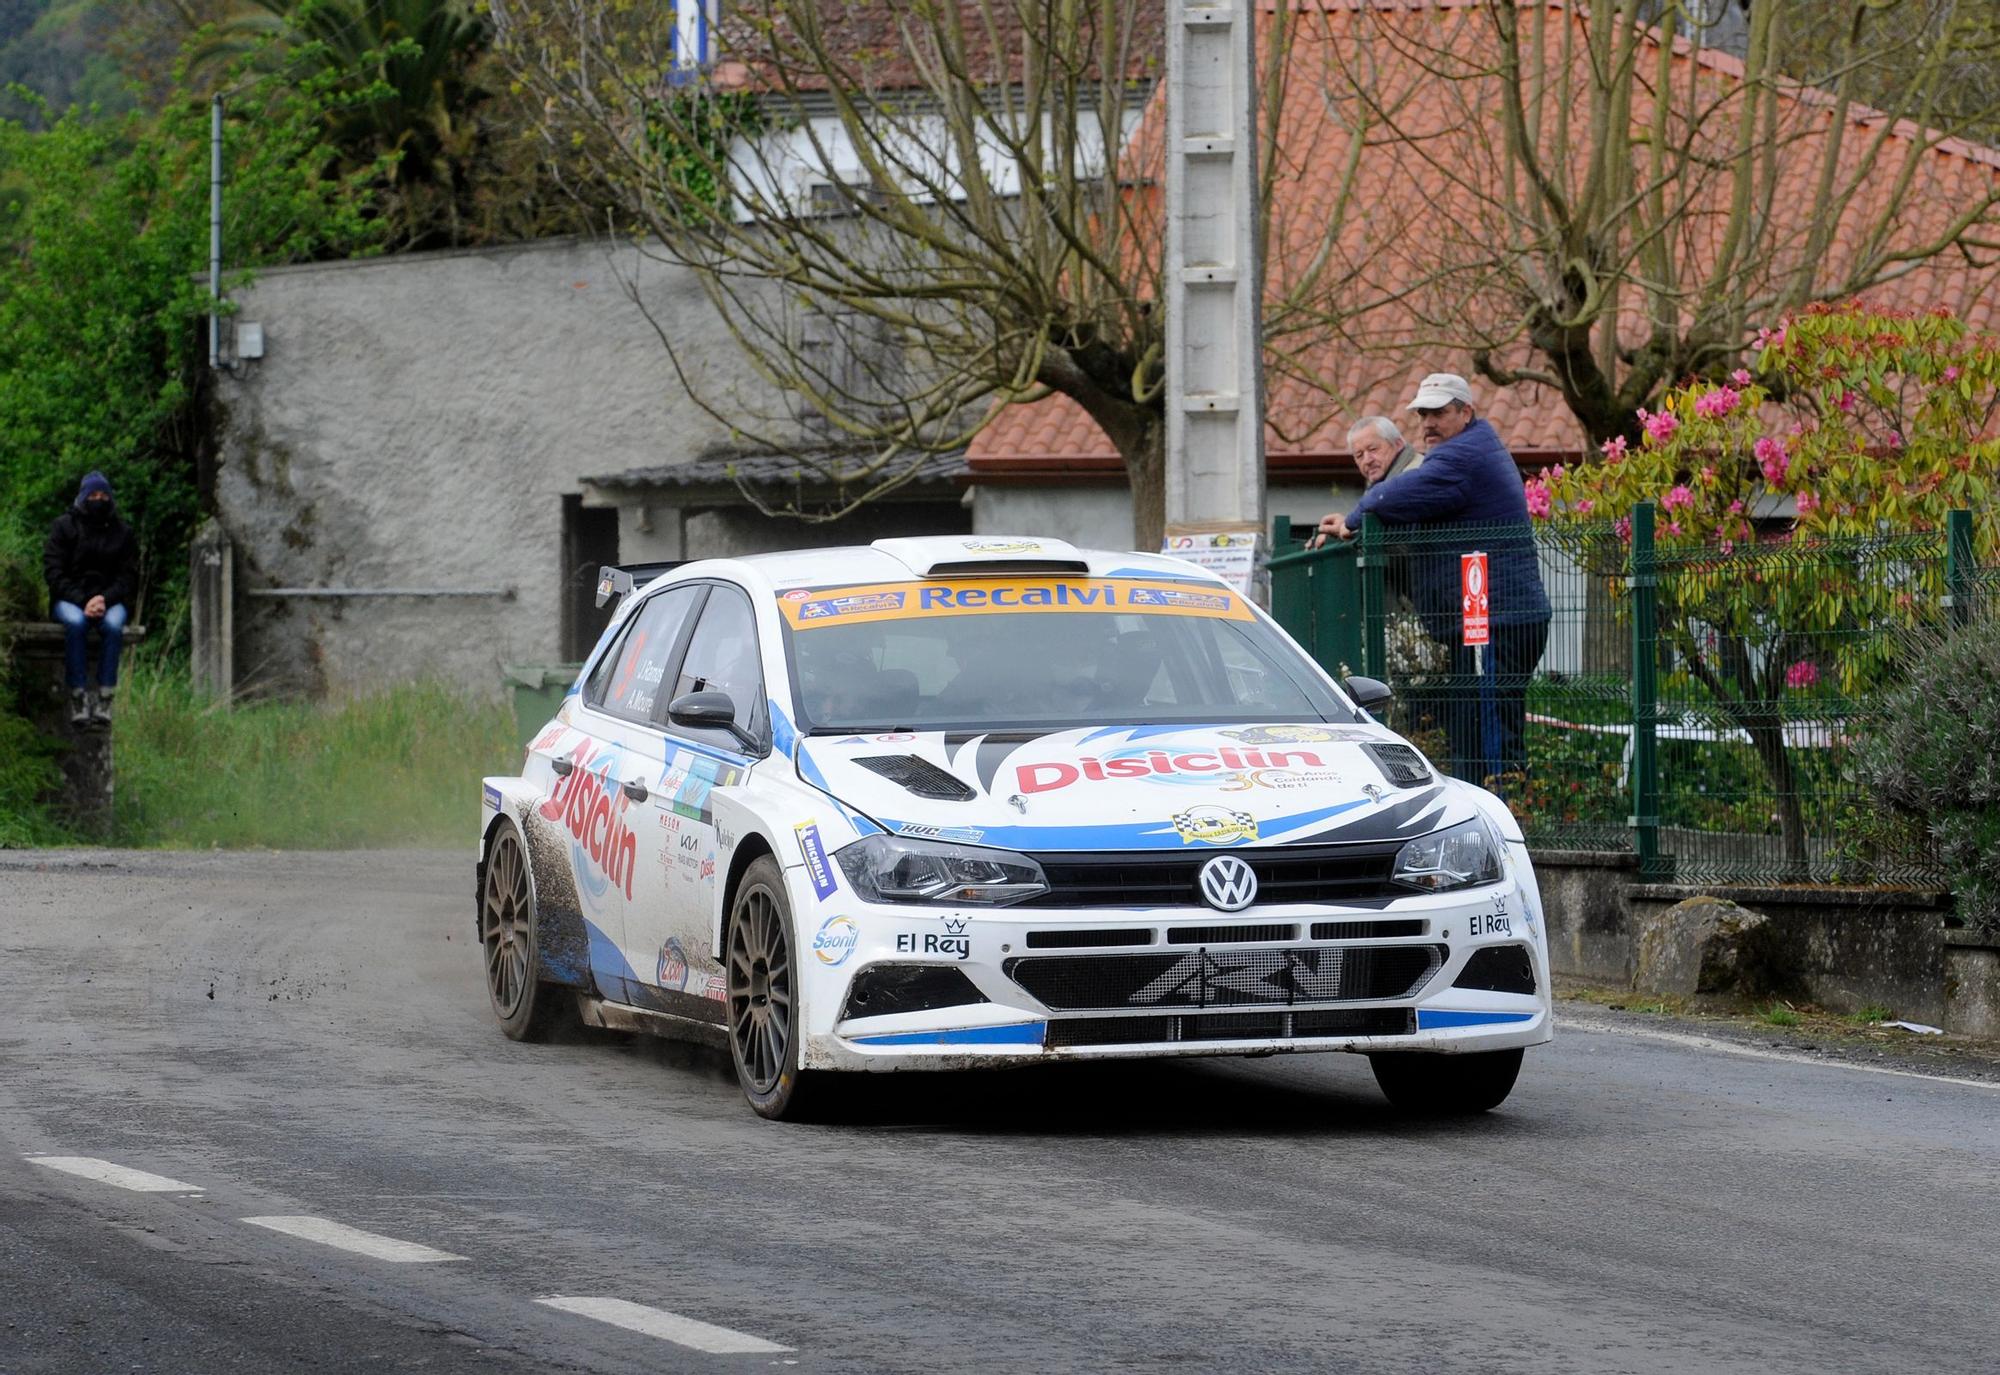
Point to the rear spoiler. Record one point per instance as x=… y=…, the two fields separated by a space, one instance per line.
x=615 y=582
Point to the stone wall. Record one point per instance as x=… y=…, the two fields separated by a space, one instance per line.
x=1844 y=949
x=85 y=798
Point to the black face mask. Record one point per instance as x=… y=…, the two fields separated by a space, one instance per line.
x=97 y=512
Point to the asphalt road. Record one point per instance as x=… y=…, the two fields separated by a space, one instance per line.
x=306 y=1037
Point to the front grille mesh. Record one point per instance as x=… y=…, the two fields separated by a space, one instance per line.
x=1366 y=930
x=1150 y=878
x=1227 y=978
x=1077 y=939
x=1228 y=935
x=1287 y=1026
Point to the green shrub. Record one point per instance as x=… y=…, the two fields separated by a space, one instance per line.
x=1932 y=758
x=27 y=761
x=396 y=768
x=103 y=350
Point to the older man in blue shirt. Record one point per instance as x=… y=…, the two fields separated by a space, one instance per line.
x=1467 y=495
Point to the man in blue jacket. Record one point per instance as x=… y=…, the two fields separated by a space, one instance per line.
x=1467 y=495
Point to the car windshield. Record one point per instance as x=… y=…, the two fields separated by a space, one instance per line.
x=994 y=654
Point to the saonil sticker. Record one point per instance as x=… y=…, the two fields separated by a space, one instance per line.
x=835 y=941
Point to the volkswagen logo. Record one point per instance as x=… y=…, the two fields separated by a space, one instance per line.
x=1228 y=884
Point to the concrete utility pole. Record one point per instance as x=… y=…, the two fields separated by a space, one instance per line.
x=1215 y=369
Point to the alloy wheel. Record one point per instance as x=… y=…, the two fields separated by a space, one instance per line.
x=505 y=925
x=760 y=990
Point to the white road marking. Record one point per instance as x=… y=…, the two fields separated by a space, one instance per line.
x=104 y=1172
x=1694 y=1042
x=657 y=1322
x=351 y=1239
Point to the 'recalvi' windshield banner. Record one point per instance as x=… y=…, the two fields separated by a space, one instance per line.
x=807 y=608
x=1137 y=788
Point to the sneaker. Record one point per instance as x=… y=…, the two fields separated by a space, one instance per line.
x=79 y=707
x=100 y=707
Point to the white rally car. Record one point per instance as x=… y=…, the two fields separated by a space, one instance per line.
x=950 y=802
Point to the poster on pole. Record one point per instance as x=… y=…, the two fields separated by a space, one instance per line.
x=1229 y=554
x=1475 y=605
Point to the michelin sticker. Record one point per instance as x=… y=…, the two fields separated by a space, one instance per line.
x=835 y=941
x=817 y=864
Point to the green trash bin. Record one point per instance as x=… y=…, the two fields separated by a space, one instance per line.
x=538 y=691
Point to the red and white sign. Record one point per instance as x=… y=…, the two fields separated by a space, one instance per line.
x=1474 y=603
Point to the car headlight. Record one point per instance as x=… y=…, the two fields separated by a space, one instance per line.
x=886 y=868
x=1462 y=856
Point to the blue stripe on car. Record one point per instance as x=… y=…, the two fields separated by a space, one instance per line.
x=1013 y=1034
x=1439 y=1019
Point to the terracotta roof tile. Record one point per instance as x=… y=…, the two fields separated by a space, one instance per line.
x=1309 y=423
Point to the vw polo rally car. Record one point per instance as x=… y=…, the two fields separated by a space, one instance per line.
x=951 y=802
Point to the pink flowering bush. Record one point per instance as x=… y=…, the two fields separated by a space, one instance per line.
x=1773 y=492
x=1713 y=405
x=1863 y=422
x=1659 y=428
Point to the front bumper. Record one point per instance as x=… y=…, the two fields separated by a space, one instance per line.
x=1103 y=984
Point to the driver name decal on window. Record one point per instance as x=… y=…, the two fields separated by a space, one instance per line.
x=985 y=596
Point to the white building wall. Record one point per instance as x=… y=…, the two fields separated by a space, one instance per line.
x=415 y=424
x=1100 y=517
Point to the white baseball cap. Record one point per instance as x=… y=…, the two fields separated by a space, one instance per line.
x=1440 y=389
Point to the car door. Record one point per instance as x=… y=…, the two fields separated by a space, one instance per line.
x=671 y=938
x=605 y=771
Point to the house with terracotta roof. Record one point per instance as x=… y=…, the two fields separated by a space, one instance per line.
x=1045 y=467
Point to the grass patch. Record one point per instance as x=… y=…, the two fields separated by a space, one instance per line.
x=1871 y=1014
x=395 y=768
x=1779 y=1014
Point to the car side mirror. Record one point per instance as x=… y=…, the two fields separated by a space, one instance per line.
x=709 y=710
x=1369 y=693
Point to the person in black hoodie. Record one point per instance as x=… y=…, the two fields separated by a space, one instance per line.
x=91 y=563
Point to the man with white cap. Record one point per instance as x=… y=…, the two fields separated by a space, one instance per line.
x=1467 y=495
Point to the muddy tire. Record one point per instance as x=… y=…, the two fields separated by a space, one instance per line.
x=759 y=959
x=1426 y=1084
x=527 y=1008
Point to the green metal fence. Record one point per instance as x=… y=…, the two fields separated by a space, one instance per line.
x=1695 y=706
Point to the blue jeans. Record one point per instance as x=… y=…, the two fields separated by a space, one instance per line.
x=76 y=634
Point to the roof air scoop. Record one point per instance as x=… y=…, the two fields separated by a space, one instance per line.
x=986 y=556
